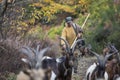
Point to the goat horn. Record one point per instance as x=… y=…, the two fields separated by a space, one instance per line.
x=94 y=53
x=66 y=43
x=116 y=52
x=27 y=51
x=107 y=56
x=114 y=48
x=36 y=51
x=39 y=57
x=38 y=46
x=98 y=56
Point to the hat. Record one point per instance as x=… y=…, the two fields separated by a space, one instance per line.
x=68 y=19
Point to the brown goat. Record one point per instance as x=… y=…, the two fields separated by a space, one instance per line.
x=109 y=49
x=113 y=65
x=111 y=68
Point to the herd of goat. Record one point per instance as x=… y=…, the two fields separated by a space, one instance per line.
x=107 y=67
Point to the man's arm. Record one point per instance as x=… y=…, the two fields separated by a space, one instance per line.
x=63 y=36
x=79 y=31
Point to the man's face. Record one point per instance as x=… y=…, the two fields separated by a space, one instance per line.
x=69 y=24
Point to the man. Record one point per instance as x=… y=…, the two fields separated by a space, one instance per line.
x=69 y=33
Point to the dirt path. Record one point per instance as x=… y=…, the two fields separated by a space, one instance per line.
x=84 y=63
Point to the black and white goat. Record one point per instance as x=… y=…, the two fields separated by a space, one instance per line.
x=36 y=63
x=66 y=65
x=62 y=66
x=34 y=56
x=97 y=70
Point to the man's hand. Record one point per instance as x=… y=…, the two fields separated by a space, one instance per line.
x=79 y=35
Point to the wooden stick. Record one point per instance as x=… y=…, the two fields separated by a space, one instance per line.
x=82 y=28
x=85 y=20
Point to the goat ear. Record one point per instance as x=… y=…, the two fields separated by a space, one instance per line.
x=27 y=72
x=96 y=63
x=48 y=70
x=25 y=60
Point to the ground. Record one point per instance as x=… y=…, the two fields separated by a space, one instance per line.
x=84 y=63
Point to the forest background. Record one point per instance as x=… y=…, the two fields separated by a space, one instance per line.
x=27 y=21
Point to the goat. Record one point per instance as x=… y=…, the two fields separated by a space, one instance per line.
x=113 y=69
x=113 y=66
x=116 y=77
x=62 y=66
x=66 y=65
x=84 y=50
x=34 y=56
x=97 y=70
x=52 y=63
x=34 y=60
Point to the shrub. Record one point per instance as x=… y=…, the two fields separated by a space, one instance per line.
x=54 y=31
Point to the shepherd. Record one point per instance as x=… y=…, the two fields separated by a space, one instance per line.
x=69 y=33
x=72 y=32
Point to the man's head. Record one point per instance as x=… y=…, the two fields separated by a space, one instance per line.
x=68 y=20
